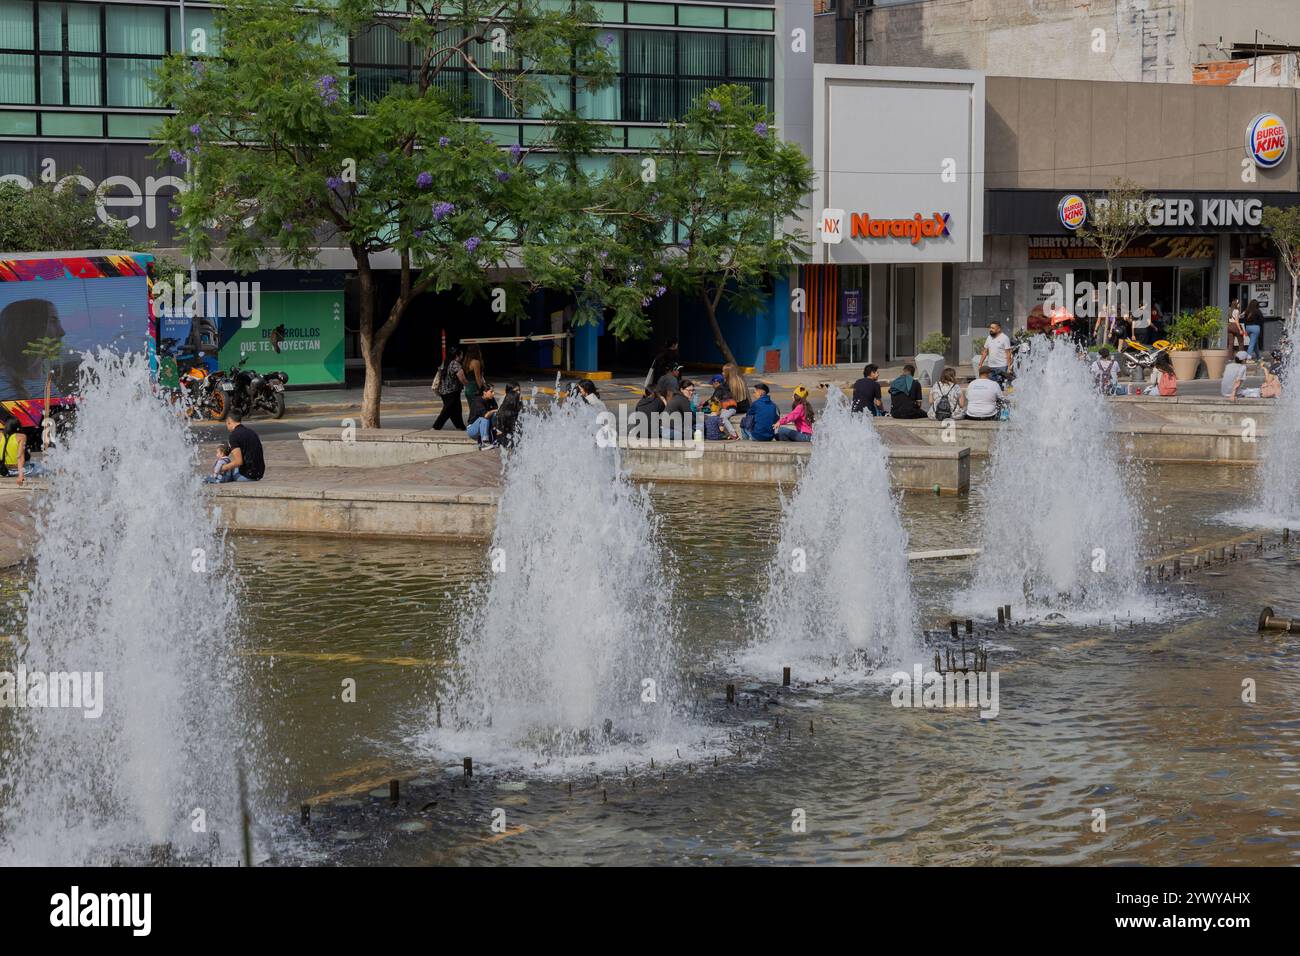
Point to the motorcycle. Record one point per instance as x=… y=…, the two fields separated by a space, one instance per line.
x=246 y=390
x=1139 y=356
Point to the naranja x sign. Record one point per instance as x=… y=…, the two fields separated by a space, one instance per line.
x=863 y=226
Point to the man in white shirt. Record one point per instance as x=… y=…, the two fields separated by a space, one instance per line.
x=996 y=356
x=982 y=396
x=1234 y=376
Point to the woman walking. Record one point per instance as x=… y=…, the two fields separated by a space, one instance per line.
x=451 y=381
x=1253 y=320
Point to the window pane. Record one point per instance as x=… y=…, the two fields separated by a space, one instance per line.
x=51 y=27
x=136 y=30
x=702 y=16
x=71 y=124
x=605 y=103
x=374 y=84
x=52 y=80
x=379 y=44
x=83 y=81
x=650 y=100
x=16 y=24
x=83 y=28
x=17 y=82
x=691 y=90
x=487 y=100
x=703 y=54
x=650 y=13
x=133 y=126
x=751 y=56
x=643 y=137
x=195 y=19
x=555 y=93
x=128 y=82
x=17 y=124
x=609 y=12
x=649 y=51
x=750 y=19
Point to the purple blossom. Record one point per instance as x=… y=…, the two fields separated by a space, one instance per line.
x=516 y=151
x=334 y=182
x=196 y=130
x=424 y=180
x=503 y=176
x=715 y=106
x=471 y=243
x=660 y=290
x=444 y=140
x=441 y=210
x=200 y=68
x=286 y=226
x=607 y=40
x=177 y=156
x=327 y=88
x=760 y=129
x=419 y=234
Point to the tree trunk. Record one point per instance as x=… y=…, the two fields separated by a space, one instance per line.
x=371 y=352
x=711 y=307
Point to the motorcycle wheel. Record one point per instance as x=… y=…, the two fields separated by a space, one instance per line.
x=217 y=406
x=277 y=405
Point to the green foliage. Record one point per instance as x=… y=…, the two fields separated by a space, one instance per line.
x=46 y=219
x=936 y=343
x=1283 y=227
x=731 y=186
x=1209 y=325
x=1117 y=219
x=1185 y=331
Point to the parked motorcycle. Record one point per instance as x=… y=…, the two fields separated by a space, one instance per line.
x=248 y=391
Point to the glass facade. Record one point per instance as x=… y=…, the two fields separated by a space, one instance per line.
x=81 y=69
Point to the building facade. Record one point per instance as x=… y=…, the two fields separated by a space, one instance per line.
x=76 y=101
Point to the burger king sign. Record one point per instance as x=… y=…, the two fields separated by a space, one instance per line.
x=1072 y=210
x=1267 y=140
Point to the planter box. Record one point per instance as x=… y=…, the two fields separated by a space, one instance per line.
x=1186 y=362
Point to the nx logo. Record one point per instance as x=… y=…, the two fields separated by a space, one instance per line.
x=833 y=226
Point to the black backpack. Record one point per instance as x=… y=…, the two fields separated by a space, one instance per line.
x=943 y=407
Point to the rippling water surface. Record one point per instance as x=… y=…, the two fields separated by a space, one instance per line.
x=1145 y=722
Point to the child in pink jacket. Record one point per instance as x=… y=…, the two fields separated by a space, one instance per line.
x=798 y=424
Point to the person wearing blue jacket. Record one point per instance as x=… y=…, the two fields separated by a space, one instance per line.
x=763 y=415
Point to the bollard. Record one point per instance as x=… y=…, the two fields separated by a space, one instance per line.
x=570 y=788
x=1007 y=608
x=1001 y=616
x=604 y=796
x=394 y=788
x=811 y=730
x=731 y=693
x=306 y=814
x=438 y=710
x=785 y=677
x=952 y=625
x=469 y=767
x=1286 y=535
x=970 y=626
x=1268 y=622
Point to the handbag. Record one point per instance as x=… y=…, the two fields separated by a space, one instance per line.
x=437 y=381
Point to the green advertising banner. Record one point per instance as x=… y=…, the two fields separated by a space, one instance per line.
x=311 y=352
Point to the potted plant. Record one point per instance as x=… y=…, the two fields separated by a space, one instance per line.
x=1213 y=354
x=930 y=358
x=1185 y=335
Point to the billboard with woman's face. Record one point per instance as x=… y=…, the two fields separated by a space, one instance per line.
x=79 y=302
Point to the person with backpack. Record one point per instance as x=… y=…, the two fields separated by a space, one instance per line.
x=946 y=398
x=448 y=384
x=1163 y=380
x=1105 y=372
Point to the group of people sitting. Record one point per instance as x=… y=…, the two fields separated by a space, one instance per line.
x=980 y=401
x=731 y=411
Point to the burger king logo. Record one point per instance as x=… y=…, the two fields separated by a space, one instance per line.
x=1073 y=211
x=1267 y=140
